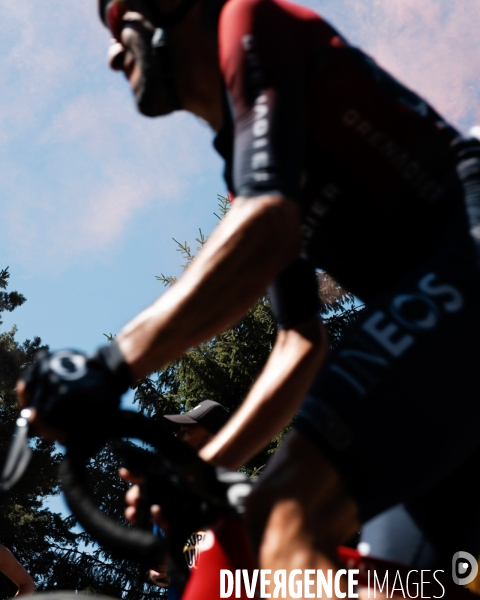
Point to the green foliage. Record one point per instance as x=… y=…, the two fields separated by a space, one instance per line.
x=27 y=528
x=224 y=368
x=45 y=542
x=96 y=569
x=10 y=301
x=338 y=307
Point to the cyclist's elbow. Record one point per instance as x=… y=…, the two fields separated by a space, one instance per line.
x=277 y=221
x=310 y=337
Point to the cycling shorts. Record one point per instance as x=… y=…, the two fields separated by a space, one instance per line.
x=396 y=406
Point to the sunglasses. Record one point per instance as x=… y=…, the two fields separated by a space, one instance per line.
x=112 y=13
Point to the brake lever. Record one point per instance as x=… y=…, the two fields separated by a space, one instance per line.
x=19 y=453
x=143 y=464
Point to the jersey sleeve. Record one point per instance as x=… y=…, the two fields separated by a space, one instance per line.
x=264 y=69
x=294 y=294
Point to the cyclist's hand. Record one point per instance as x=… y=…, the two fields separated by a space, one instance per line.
x=159 y=576
x=70 y=391
x=133 y=500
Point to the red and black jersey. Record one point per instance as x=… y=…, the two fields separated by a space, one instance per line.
x=319 y=122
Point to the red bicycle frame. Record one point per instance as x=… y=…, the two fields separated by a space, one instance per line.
x=227 y=548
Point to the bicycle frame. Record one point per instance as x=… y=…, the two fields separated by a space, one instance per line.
x=226 y=545
x=227 y=548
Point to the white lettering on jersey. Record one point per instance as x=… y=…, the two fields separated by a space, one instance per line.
x=260 y=157
x=411 y=171
x=394 y=330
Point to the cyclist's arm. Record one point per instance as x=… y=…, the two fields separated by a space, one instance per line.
x=274 y=398
x=256 y=240
x=10 y=567
x=260 y=235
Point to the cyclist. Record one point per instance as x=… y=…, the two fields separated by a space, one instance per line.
x=10 y=567
x=334 y=164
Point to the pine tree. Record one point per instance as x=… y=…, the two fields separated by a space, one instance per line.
x=55 y=555
x=224 y=368
x=29 y=530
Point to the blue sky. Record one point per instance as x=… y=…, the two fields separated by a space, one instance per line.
x=92 y=193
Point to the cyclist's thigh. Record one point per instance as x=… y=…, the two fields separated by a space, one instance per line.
x=395 y=408
x=302 y=489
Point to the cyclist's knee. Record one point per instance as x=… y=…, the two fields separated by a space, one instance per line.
x=258 y=507
x=300 y=497
x=272 y=501
x=284 y=535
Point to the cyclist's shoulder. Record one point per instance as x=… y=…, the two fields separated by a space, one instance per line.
x=267 y=34
x=260 y=13
x=237 y=12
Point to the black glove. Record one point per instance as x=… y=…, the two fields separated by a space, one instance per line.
x=71 y=390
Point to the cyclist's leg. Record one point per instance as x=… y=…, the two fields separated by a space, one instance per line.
x=382 y=415
x=367 y=454
x=429 y=529
x=311 y=514
x=371 y=440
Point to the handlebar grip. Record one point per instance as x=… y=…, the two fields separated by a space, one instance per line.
x=138 y=545
x=192 y=492
x=143 y=509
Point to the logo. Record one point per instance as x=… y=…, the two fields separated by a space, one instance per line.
x=193 y=547
x=464 y=568
x=68 y=365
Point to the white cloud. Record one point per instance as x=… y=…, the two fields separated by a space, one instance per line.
x=77 y=163
x=432 y=46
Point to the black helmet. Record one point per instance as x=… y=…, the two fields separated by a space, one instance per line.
x=161 y=19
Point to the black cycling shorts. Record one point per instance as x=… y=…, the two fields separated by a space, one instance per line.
x=396 y=407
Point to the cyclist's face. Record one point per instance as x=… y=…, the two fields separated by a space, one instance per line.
x=195 y=436
x=131 y=52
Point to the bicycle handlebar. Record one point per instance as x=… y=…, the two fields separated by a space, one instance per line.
x=134 y=544
x=191 y=492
